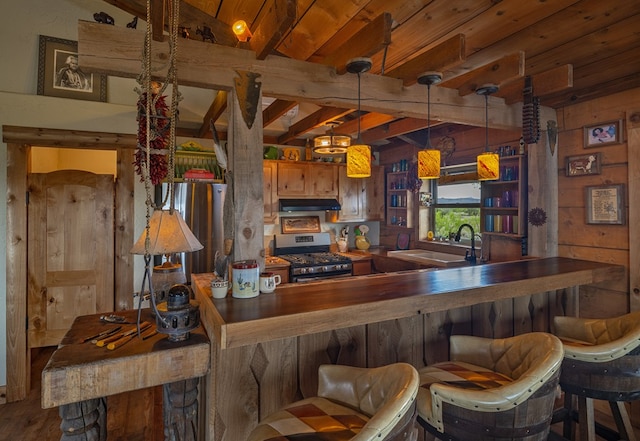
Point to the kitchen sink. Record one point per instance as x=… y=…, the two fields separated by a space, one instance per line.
x=427 y=257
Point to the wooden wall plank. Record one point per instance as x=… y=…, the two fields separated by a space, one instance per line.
x=16 y=272
x=633 y=145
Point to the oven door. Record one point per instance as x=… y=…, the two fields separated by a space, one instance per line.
x=302 y=278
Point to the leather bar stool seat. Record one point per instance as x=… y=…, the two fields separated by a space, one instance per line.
x=357 y=404
x=492 y=389
x=602 y=361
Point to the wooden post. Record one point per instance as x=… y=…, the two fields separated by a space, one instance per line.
x=244 y=150
x=633 y=146
x=543 y=193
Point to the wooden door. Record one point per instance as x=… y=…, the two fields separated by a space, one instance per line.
x=70 y=252
x=323 y=180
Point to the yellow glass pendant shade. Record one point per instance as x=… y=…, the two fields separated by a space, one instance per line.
x=358 y=161
x=429 y=164
x=488 y=166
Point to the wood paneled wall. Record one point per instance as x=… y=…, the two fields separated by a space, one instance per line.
x=603 y=243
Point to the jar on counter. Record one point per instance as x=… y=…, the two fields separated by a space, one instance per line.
x=245 y=275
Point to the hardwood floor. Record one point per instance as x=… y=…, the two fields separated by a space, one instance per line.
x=130 y=415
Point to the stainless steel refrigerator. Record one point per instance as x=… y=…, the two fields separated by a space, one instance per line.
x=201 y=205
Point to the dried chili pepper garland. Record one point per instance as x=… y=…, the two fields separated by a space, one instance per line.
x=159 y=126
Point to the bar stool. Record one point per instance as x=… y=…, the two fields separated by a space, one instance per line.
x=492 y=389
x=357 y=404
x=602 y=361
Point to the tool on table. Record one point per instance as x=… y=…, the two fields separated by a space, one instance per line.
x=112 y=318
x=101 y=335
x=150 y=331
x=132 y=331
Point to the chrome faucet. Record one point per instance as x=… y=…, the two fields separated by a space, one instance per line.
x=469 y=257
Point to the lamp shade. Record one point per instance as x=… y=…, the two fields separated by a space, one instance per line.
x=359 y=161
x=488 y=166
x=168 y=233
x=331 y=144
x=429 y=164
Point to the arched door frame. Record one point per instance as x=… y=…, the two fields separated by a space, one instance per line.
x=19 y=141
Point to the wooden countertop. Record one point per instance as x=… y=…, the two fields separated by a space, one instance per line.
x=300 y=309
x=80 y=371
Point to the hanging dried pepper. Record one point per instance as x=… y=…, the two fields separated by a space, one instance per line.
x=159 y=125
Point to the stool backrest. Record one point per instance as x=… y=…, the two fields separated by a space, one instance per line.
x=384 y=394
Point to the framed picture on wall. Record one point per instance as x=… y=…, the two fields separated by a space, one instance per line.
x=61 y=75
x=603 y=134
x=605 y=204
x=583 y=165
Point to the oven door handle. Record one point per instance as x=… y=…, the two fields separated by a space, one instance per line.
x=320 y=278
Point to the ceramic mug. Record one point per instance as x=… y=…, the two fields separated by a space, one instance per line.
x=219 y=288
x=268 y=282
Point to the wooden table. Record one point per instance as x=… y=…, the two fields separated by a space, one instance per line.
x=80 y=375
x=266 y=350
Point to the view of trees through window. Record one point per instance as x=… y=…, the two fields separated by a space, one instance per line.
x=444 y=207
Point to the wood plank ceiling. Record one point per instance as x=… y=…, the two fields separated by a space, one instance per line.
x=572 y=50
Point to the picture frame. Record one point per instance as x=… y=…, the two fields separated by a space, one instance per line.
x=300 y=224
x=59 y=76
x=602 y=134
x=583 y=165
x=605 y=204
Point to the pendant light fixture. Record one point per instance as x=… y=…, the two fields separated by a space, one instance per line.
x=429 y=158
x=359 y=155
x=488 y=162
x=331 y=144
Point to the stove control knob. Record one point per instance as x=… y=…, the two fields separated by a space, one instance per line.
x=326 y=269
x=303 y=270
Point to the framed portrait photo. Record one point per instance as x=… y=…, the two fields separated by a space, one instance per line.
x=61 y=75
x=583 y=165
x=603 y=134
x=605 y=204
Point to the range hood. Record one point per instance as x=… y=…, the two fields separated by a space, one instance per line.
x=309 y=205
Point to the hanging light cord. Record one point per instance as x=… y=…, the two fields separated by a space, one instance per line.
x=359 y=113
x=429 y=116
x=486 y=122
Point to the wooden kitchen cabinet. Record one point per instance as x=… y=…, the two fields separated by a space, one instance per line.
x=300 y=179
x=362 y=199
x=269 y=193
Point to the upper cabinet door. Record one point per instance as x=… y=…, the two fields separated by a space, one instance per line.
x=306 y=179
x=292 y=177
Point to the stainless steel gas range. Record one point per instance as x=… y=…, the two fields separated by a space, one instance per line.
x=310 y=257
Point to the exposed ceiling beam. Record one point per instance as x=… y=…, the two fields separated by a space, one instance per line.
x=395 y=128
x=273 y=26
x=367 y=122
x=312 y=121
x=218 y=106
x=275 y=110
x=505 y=69
x=116 y=51
x=449 y=53
x=545 y=83
x=368 y=41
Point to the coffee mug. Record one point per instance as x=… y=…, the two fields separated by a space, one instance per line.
x=219 y=288
x=268 y=282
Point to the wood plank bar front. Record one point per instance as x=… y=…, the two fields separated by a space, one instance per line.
x=266 y=350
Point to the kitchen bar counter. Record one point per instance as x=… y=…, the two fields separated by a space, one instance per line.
x=299 y=309
x=265 y=351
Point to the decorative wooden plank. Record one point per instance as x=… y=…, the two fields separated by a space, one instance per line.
x=395 y=341
x=543 y=179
